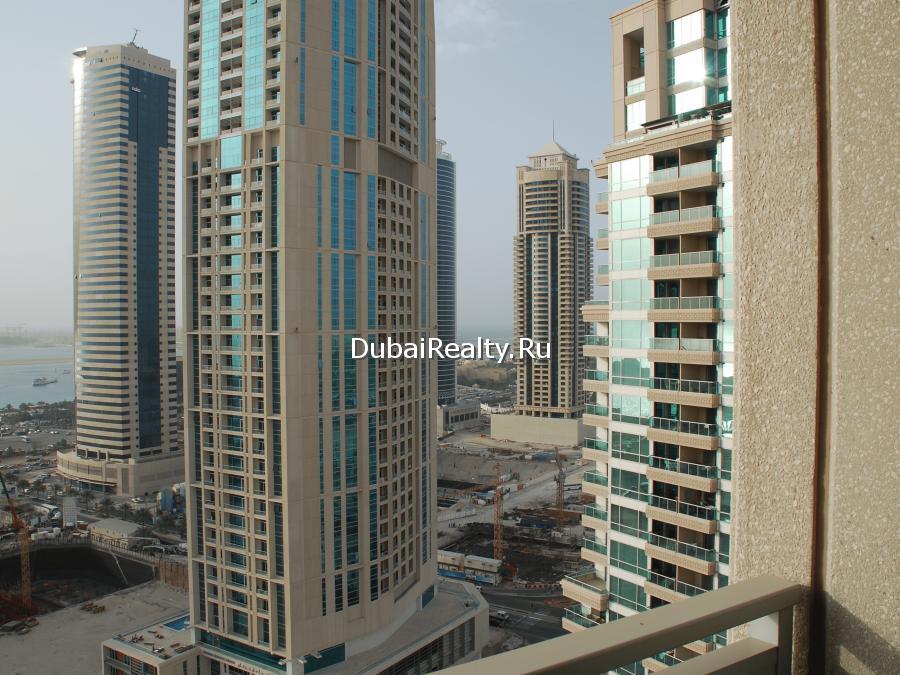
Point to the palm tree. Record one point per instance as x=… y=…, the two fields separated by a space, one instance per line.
x=106 y=506
x=87 y=497
x=125 y=512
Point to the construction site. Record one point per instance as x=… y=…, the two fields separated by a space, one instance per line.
x=517 y=504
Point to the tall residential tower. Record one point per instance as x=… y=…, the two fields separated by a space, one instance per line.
x=127 y=419
x=309 y=219
x=663 y=348
x=552 y=271
x=446 y=270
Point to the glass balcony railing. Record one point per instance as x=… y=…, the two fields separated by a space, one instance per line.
x=577 y=617
x=596 y=478
x=693 y=258
x=596 y=375
x=684 y=171
x=631 y=456
x=692 y=550
x=685 y=426
x=685 y=215
x=594 y=409
x=597 y=340
x=684 y=508
x=628 y=493
x=596 y=444
x=602 y=269
x=687 y=468
x=687 y=386
x=595 y=512
x=603 y=233
x=673 y=585
x=589 y=581
x=602 y=303
x=686 y=344
x=635 y=86
x=593 y=545
x=629 y=530
x=602 y=197
x=690 y=302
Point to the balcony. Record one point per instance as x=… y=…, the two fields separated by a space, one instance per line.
x=699 y=393
x=685 y=474
x=700 y=351
x=693 y=265
x=696 y=517
x=596 y=484
x=574 y=619
x=602 y=205
x=701 y=435
x=635 y=86
x=595 y=518
x=602 y=240
x=686 y=309
x=595 y=449
x=670 y=589
x=700 y=175
x=594 y=551
x=765 y=603
x=690 y=556
x=596 y=415
x=696 y=220
x=586 y=588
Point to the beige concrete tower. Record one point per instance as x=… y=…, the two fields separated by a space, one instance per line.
x=662 y=354
x=552 y=266
x=124 y=235
x=309 y=220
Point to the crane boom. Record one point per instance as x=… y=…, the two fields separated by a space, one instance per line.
x=24 y=548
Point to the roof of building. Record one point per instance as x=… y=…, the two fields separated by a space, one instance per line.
x=552 y=148
x=116 y=525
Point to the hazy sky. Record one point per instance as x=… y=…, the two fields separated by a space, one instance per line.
x=506 y=69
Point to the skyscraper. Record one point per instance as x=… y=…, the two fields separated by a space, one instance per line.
x=309 y=220
x=552 y=267
x=446 y=270
x=663 y=348
x=124 y=233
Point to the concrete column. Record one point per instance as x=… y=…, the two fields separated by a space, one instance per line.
x=816 y=470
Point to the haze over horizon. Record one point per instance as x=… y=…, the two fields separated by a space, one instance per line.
x=508 y=71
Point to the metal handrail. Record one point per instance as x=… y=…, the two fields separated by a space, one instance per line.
x=765 y=603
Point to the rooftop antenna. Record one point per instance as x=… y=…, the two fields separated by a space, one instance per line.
x=134 y=37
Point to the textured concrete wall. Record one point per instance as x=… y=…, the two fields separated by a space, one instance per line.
x=862 y=497
x=786 y=242
x=547 y=430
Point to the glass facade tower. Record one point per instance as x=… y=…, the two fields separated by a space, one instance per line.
x=446 y=270
x=661 y=357
x=309 y=220
x=127 y=420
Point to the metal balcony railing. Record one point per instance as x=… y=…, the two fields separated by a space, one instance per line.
x=765 y=603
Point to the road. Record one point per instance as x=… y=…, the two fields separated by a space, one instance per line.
x=530 y=618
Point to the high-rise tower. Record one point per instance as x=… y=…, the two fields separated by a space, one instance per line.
x=310 y=220
x=552 y=268
x=124 y=232
x=446 y=270
x=662 y=373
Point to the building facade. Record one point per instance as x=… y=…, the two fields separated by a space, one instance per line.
x=446 y=270
x=127 y=417
x=662 y=354
x=552 y=267
x=309 y=220
x=551 y=281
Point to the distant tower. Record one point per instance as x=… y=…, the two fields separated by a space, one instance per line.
x=124 y=233
x=446 y=270
x=552 y=268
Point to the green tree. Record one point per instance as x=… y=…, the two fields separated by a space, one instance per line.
x=106 y=506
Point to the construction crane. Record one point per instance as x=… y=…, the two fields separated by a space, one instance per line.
x=498 y=516
x=24 y=549
x=560 y=484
